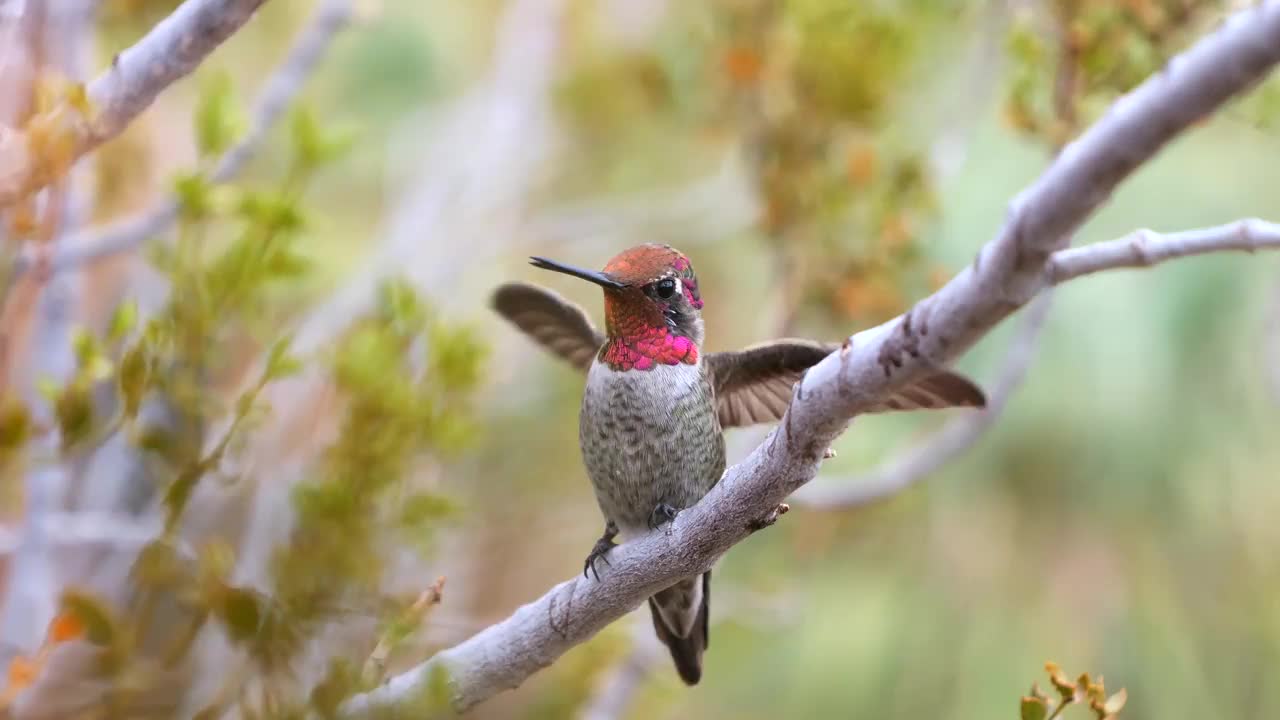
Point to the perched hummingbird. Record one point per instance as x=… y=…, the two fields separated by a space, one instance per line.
x=655 y=405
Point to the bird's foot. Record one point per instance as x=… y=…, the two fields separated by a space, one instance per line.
x=661 y=515
x=600 y=550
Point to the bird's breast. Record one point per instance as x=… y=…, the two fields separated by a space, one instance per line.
x=649 y=437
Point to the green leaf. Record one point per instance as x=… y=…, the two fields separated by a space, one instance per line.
x=400 y=304
x=270 y=210
x=421 y=509
x=159 y=566
x=15 y=425
x=280 y=363
x=218 y=120
x=216 y=560
x=307 y=143
x=99 y=625
x=195 y=195
x=163 y=442
x=241 y=613
x=287 y=263
x=74 y=411
x=123 y=320
x=179 y=492
x=84 y=345
x=312 y=145
x=339 y=683
x=132 y=379
x=456 y=356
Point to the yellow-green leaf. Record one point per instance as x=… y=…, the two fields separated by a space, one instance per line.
x=1034 y=708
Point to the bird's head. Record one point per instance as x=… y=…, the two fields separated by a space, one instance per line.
x=651 y=305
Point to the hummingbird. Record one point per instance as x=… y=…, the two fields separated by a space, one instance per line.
x=655 y=405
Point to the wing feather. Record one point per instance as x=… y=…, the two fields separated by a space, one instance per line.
x=754 y=385
x=551 y=321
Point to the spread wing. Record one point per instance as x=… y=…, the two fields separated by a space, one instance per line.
x=553 y=322
x=755 y=385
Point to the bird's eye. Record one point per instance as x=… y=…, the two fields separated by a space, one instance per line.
x=666 y=288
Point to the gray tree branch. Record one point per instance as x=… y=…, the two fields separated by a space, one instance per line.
x=1008 y=272
x=1141 y=248
x=173 y=48
x=959 y=434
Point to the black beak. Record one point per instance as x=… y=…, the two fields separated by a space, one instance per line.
x=598 y=278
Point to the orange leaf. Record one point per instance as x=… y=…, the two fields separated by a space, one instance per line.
x=64 y=627
x=742 y=64
x=861 y=164
x=22 y=672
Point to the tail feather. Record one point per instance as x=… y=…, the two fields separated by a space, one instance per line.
x=686 y=640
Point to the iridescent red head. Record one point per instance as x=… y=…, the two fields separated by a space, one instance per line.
x=652 y=306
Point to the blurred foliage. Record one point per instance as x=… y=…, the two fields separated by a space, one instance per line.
x=1071 y=58
x=1120 y=516
x=808 y=89
x=403 y=375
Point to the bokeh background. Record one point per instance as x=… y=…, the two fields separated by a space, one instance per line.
x=824 y=164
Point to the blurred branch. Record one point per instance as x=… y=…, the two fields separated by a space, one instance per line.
x=1271 y=344
x=1008 y=272
x=707 y=208
x=284 y=84
x=618 y=687
x=59 y=38
x=958 y=435
x=79 y=528
x=375 y=667
x=136 y=77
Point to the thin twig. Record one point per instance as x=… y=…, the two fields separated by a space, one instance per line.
x=375 y=667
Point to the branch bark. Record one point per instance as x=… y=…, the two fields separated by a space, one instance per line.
x=958 y=435
x=1144 y=248
x=1008 y=272
x=172 y=49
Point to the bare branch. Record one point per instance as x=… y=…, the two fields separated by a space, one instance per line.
x=1009 y=271
x=1143 y=248
x=280 y=90
x=136 y=77
x=80 y=528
